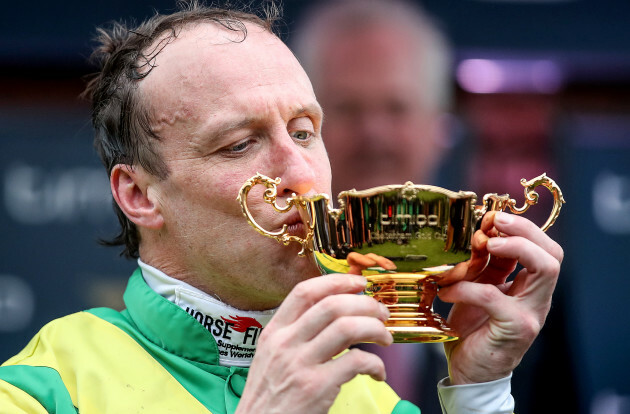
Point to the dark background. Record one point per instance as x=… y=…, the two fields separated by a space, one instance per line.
x=54 y=202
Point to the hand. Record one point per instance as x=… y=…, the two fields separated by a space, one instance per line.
x=294 y=370
x=498 y=321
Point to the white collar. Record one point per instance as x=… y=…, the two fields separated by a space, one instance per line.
x=235 y=331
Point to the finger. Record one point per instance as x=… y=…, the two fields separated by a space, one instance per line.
x=507 y=225
x=498 y=270
x=488 y=297
x=307 y=293
x=512 y=225
x=538 y=279
x=344 y=332
x=487 y=224
x=531 y=256
x=328 y=310
x=470 y=269
x=509 y=318
x=354 y=362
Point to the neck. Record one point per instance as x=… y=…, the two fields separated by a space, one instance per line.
x=235 y=331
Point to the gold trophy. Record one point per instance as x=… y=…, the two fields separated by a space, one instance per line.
x=424 y=230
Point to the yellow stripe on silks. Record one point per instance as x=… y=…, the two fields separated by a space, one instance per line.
x=105 y=370
x=330 y=264
x=19 y=401
x=365 y=395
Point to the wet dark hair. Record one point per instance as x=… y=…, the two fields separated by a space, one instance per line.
x=125 y=55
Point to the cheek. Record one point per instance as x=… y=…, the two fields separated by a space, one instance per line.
x=202 y=194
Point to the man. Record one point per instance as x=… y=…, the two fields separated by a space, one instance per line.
x=381 y=71
x=187 y=107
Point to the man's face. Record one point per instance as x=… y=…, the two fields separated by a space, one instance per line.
x=379 y=129
x=225 y=111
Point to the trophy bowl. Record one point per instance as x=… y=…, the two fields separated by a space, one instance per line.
x=424 y=230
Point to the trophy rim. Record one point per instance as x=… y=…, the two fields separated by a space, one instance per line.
x=370 y=192
x=408 y=186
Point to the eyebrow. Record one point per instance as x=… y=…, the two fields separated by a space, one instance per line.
x=314 y=109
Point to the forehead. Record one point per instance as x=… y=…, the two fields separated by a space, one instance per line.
x=208 y=63
x=361 y=55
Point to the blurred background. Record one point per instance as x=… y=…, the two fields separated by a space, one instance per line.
x=539 y=86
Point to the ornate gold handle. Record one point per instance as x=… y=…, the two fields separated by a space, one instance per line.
x=269 y=196
x=501 y=202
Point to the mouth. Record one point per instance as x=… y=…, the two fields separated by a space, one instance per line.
x=294 y=226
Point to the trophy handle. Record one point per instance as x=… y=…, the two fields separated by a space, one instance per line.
x=501 y=202
x=269 y=196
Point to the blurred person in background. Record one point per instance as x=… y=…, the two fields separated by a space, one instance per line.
x=382 y=72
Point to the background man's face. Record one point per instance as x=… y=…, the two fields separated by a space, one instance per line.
x=226 y=110
x=379 y=129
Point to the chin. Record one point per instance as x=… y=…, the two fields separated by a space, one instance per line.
x=308 y=269
x=289 y=268
x=282 y=287
x=303 y=268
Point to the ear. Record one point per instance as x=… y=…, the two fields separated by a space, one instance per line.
x=130 y=190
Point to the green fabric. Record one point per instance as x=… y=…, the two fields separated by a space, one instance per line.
x=42 y=383
x=405 y=407
x=179 y=343
x=171 y=338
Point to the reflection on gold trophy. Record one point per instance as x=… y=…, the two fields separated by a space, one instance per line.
x=423 y=230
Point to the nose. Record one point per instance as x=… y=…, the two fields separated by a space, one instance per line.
x=293 y=164
x=375 y=126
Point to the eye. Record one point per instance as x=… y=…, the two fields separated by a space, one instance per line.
x=301 y=135
x=302 y=129
x=241 y=146
x=238 y=148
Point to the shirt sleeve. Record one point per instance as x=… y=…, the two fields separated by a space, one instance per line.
x=492 y=397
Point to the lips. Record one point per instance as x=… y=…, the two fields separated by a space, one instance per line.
x=295 y=226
